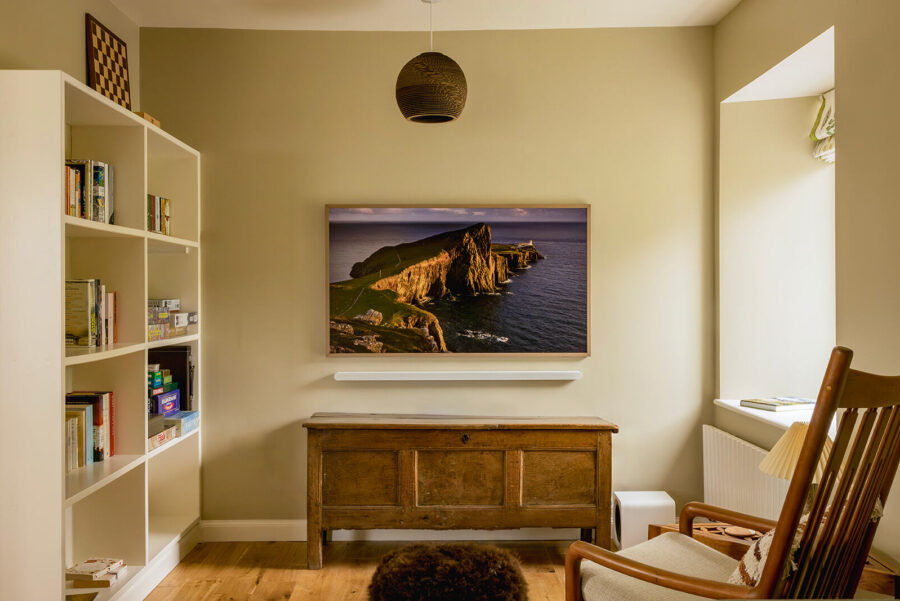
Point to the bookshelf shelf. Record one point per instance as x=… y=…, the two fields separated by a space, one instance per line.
x=172 y=443
x=160 y=243
x=117 y=507
x=78 y=227
x=83 y=481
x=80 y=355
x=173 y=341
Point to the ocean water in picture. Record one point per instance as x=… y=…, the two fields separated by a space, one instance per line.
x=538 y=307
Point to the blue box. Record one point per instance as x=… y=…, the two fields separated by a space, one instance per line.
x=166 y=403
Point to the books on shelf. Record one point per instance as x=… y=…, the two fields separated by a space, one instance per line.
x=158 y=215
x=90 y=427
x=79 y=437
x=91 y=312
x=104 y=581
x=165 y=418
x=93 y=569
x=166 y=320
x=90 y=190
x=180 y=363
x=779 y=403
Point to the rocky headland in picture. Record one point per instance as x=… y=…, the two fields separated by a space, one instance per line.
x=381 y=309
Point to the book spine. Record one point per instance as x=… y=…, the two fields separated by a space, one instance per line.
x=98 y=180
x=110 y=194
x=95 y=313
x=79 y=196
x=149 y=212
x=115 y=297
x=102 y=299
x=112 y=424
x=165 y=214
x=77 y=313
x=67 y=193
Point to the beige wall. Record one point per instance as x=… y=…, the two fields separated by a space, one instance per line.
x=49 y=34
x=776 y=251
x=755 y=36
x=290 y=121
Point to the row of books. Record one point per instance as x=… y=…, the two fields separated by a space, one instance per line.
x=158 y=213
x=90 y=192
x=96 y=572
x=165 y=319
x=90 y=428
x=90 y=313
x=781 y=403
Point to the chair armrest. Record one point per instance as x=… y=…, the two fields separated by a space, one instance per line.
x=696 y=586
x=720 y=514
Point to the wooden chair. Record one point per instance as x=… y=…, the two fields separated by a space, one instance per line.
x=844 y=514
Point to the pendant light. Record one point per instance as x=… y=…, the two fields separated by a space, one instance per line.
x=431 y=88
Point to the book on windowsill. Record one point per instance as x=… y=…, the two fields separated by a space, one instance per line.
x=781 y=403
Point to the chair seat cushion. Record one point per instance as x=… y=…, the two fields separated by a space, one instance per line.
x=670 y=551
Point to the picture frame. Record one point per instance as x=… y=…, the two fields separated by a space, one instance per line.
x=472 y=318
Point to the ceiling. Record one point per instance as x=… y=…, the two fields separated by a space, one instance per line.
x=412 y=15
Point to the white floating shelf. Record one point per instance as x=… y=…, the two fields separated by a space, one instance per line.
x=434 y=376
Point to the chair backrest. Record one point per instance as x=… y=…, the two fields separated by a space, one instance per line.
x=846 y=506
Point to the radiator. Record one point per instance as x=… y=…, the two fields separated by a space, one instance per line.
x=731 y=476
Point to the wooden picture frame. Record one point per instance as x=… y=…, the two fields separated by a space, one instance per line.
x=344 y=326
x=107 y=62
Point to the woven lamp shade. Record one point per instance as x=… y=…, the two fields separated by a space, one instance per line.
x=431 y=88
x=782 y=459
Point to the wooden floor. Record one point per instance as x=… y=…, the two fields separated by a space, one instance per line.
x=277 y=571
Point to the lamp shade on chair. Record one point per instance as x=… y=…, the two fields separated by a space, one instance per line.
x=431 y=88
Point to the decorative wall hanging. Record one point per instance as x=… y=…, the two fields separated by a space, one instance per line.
x=107 y=62
x=459 y=279
x=431 y=88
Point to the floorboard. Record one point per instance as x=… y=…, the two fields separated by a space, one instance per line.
x=276 y=571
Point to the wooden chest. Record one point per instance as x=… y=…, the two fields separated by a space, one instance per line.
x=429 y=472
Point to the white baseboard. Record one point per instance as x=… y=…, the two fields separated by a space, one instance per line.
x=162 y=564
x=295 y=530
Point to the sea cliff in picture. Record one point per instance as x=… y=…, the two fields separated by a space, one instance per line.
x=458 y=280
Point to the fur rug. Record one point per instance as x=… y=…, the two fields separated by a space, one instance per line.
x=448 y=572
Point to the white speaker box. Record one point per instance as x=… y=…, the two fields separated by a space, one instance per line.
x=634 y=511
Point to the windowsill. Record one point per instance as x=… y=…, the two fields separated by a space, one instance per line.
x=778 y=419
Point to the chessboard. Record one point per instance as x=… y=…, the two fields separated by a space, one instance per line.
x=107 y=62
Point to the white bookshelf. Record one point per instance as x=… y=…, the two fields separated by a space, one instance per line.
x=140 y=505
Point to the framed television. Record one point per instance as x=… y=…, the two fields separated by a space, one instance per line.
x=458 y=279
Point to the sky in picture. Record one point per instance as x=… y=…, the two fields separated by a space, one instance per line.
x=457 y=215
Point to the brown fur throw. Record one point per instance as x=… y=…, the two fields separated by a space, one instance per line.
x=448 y=572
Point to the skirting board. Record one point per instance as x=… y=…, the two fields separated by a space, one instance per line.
x=295 y=530
x=164 y=562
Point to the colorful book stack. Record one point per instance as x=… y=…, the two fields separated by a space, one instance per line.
x=90 y=190
x=165 y=319
x=90 y=428
x=90 y=314
x=165 y=419
x=96 y=572
x=158 y=213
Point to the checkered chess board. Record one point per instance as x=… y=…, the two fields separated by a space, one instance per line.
x=107 y=63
